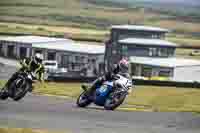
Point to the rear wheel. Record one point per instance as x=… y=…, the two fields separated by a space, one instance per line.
x=114 y=101
x=83 y=100
x=4 y=94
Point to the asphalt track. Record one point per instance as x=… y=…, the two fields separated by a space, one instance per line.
x=55 y=113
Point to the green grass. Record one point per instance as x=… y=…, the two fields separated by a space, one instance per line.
x=26 y=130
x=153 y=97
x=185 y=53
x=166 y=98
x=157 y=98
x=82 y=34
x=71 y=90
x=182 y=42
x=83 y=20
x=9 y=30
x=84 y=14
x=62 y=12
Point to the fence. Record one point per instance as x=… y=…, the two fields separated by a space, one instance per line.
x=167 y=83
x=135 y=81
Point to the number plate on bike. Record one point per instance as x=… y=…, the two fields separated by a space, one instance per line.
x=103 y=89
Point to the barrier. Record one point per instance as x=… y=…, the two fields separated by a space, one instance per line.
x=71 y=79
x=135 y=81
x=167 y=83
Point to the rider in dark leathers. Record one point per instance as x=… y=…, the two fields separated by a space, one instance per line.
x=33 y=65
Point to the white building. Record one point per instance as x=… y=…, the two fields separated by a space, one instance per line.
x=174 y=69
x=150 y=55
x=74 y=56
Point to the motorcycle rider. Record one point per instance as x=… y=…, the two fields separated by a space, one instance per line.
x=121 y=68
x=33 y=65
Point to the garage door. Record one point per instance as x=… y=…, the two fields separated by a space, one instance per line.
x=23 y=52
x=10 y=51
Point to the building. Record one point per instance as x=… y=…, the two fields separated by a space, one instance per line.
x=119 y=32
x=150 y=55
x=74 y=56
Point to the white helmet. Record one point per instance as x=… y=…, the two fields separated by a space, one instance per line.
x=123 y=65
x=38 y=57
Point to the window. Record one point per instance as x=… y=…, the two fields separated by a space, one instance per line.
x=154 y=36
x=10 y=51
x=124 y=51
x=163 y=52
x=49 y=64
x=146 y=71
x=93 y=60
x=134 y=69
x=171 y=52
x=51 y=56
x=79 y=59
x=65 y=60
x=71 y=59
x=73 y=62
x=38 y=51
x=83 y=59
x=153 y=52
x=23 y=52
x=137 y=51
x=164 y=74
x=1 y=48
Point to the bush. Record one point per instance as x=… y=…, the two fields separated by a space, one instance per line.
x=40 y=28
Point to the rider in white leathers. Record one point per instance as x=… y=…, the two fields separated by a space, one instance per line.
x=121 y=69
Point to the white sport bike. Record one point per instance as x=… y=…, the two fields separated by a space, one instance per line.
x=110 y=94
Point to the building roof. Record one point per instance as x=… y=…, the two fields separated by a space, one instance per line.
x=164 y=62
x=139 y=28
x=34 y=39
x=57 y=44
x=72 y=47
x=152 y=42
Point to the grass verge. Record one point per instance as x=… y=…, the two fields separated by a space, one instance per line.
x=186 y=42
x=151 y=97
x=186 y=53
x=80 y=34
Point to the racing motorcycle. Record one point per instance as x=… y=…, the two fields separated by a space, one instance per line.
x=19 y=87
x=110 y=94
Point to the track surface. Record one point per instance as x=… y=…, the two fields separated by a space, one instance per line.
x=61 y=114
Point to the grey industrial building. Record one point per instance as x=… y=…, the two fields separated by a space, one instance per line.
x=149 y=53
x=69 y=54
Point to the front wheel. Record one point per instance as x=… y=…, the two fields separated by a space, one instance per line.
x=21 y=87
x=114 y=101
x=83 y=100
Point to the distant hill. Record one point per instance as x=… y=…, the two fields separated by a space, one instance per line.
x=180 y=6
x=177 y=2
x=179 y=16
